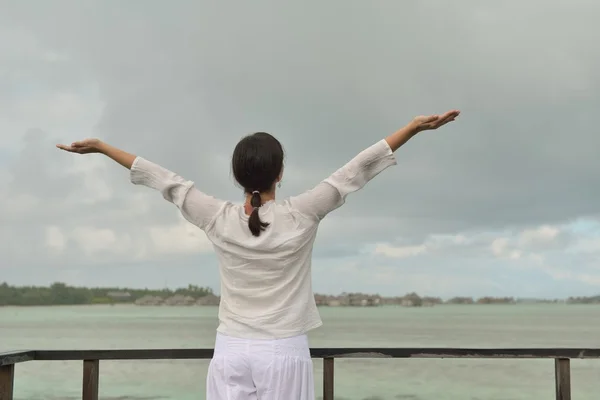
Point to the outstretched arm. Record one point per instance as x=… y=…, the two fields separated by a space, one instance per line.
x=419 y=124
x=89 y=146
x=197 y=207
x=331 y=193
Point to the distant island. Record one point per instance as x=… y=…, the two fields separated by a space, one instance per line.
x=62 y=294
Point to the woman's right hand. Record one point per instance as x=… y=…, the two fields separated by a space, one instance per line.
x=430 y=122
x=85 y=146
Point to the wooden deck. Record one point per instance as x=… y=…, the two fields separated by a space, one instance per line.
x=91 y=362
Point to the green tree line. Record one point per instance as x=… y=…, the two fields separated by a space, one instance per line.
x=61 y=294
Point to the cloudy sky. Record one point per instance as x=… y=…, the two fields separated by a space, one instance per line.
x=505 y=201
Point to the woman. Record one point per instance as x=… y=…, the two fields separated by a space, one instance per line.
x=264 y=251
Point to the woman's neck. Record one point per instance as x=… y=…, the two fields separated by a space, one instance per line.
x=264 y=197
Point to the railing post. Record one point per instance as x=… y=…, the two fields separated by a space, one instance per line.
x=7 y=379
x=562 y=368
x=91 y=373
x=328 y=378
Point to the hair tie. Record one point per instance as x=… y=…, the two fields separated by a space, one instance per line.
x=256 y=192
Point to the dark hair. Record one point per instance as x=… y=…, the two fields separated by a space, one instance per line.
x=257 y=162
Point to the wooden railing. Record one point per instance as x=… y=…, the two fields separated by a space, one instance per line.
x=91 y=362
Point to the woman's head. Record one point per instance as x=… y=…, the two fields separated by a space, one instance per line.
x=257 y=165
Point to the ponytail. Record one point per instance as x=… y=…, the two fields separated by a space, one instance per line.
x=254 y=222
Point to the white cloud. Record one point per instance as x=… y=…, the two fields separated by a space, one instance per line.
x=525 y=249
x=499 y=246
x=544 y=233
x=516 y=245
x=180 y=239
x=399 y=251
x=56 y=241
x=444 y=240
x=432 y=244
x=137 y=243
x=99 y=240
x=510 y=245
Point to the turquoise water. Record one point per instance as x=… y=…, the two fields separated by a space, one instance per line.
x=105 y=327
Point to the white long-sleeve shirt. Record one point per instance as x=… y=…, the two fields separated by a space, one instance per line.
x=266 y=286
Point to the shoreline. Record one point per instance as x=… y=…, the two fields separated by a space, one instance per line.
x=133 y=305
x=60 y=294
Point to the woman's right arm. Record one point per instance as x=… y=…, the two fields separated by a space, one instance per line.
x=195 y=206
x=331 y=193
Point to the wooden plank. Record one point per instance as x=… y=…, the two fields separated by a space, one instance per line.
x=562 y=367
x=91 y=374
x=135 y=354
x=328 y=381
x=7 y=381
x=185 y=354
x=16 y=357
x=515 y=353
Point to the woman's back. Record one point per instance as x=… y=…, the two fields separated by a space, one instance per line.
x=266 y=289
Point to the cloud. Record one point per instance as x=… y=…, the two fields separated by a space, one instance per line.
x=499 y=248
x=560 y=253
x=180 y=84
x=542 y=234
x=400 y=251
x=56 y=240
x=177 y=239
x=433 y=243
x=510 y=244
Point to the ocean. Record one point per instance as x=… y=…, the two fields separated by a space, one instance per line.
x=123 y=327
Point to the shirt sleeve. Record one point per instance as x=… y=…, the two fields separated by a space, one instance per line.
x=331 y=193
x=195 y=206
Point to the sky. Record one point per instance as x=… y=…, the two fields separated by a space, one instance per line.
x=504 y=202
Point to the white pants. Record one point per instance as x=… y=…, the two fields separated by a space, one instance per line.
x=249 y=369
